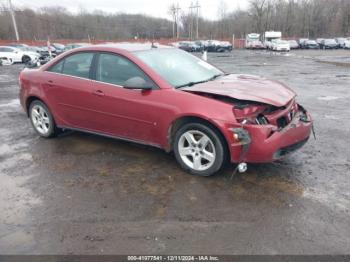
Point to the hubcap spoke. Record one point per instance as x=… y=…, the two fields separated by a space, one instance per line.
x=46 y=120
x=203 y=141
x=190 y=138
x=36 y=113
x=208 y=156
x=185 y=151
x=197 y=163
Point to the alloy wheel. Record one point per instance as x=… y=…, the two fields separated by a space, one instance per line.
x=40 y=119
x=196 y=150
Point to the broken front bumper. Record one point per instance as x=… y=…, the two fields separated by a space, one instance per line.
x=268 y=144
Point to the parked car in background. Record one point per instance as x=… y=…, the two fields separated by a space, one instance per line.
x=219 y=46
x=256 y=44
x=75 y=45
x=17 y=55
x=340 y=41
x=311 y=44
x=293 y=44
x=59 y=48
x=202 y=44
x=270 y=36
x=5 y=61
x=43 y=55
x=213 y=45
x=52 y=50
x=187 y=46
x=250 y=39
x=18 y=45
x=169 y=99
x=347 y=44
x=225 y=46
x=329 y=44
x=280 y=45
x=319 y=40
x=302 y=42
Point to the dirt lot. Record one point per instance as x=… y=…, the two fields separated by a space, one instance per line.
x=83 y=194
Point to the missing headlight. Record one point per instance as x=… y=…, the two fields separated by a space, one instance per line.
x=261 y=120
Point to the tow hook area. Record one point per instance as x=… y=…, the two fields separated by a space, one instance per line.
x=241 y=137
x=242 y=167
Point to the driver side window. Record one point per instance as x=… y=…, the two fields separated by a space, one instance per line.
x=117 y=70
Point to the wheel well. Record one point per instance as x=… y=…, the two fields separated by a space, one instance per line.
x=178 y=123
x=30 y=100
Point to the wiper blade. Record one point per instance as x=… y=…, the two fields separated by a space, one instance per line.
x=199 y=82
x=192 y=83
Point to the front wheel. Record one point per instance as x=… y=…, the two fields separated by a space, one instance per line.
x=199 y=149
x=42 y=119
x=26 y=59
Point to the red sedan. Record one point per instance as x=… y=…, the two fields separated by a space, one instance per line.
x=166 y=98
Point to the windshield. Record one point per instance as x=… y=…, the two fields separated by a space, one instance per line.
x=177 y=67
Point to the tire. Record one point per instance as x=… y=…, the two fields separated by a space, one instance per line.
x=42 y=120
x=26 y=59
x=199 y=159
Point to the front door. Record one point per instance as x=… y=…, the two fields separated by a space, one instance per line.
x=127 y=113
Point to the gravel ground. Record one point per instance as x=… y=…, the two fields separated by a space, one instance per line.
x=84 y=194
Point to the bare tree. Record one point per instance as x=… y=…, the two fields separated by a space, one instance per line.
x=295 y=18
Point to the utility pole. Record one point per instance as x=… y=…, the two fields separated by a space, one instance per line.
x=173 y=13
x=177 y=10
x=190 y=21
x=196 y=6
x=13 y=20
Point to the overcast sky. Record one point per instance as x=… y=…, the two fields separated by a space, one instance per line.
x=157 y=8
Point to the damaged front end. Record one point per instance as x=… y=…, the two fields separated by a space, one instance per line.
x=264 y=132
x=274 y=131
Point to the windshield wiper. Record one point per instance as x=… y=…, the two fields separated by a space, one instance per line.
x=199 y=82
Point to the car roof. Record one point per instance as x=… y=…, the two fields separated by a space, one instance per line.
x=130 y=47
x=8 y=46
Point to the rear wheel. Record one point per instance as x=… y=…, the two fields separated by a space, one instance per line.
x=42 y=120
x=199 y=149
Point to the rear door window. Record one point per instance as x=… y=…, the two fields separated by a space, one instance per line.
x=57 y=68
x=78 y=65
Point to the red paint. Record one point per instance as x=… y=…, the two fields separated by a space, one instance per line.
x=247 y=87
x=147 y=115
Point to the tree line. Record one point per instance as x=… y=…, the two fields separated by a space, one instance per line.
x=295 y=18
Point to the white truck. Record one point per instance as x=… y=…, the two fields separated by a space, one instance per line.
x=269 y=36
x=252 y=41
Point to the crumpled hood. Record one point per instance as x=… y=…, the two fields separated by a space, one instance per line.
x=247 y=87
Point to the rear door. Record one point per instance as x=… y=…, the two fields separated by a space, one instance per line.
x=68 y=88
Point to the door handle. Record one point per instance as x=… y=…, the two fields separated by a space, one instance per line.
x=50 y=82
x=98 y=93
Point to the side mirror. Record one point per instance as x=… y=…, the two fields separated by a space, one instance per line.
x=138 y=83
